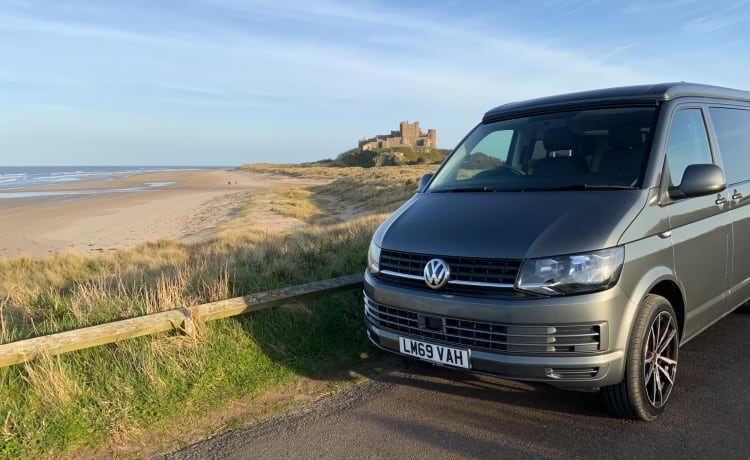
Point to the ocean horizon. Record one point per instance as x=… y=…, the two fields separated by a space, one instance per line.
x=17 y=177
x=13 y=177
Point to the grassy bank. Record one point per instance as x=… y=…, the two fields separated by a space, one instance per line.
x=356 y=190
x=146 y=391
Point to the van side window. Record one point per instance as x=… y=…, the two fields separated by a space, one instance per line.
x=733 y=131
x=688 y=143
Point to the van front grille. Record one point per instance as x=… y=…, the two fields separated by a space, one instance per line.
x=469 y=276
x=508 y=338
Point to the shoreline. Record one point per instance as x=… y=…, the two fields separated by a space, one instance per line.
x=188 y=203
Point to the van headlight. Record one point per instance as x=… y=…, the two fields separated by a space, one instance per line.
x=373 y=258
x=572 y=274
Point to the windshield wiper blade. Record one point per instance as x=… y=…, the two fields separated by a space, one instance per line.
x=589 y=187
x=607 y=187
x=465 y=189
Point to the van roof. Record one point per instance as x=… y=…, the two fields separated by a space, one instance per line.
x=624 y=95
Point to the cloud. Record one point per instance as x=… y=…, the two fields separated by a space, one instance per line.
x=714 y=22
x=320 y=63
x=650 y=7
x=364 y=58
x=11 y=22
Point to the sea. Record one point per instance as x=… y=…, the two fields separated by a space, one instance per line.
x=15 y=177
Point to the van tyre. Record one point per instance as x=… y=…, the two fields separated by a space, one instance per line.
x=651 y=363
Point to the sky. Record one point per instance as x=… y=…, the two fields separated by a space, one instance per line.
x=228 y=82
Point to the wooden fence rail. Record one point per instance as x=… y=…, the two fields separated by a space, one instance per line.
x=180 y=318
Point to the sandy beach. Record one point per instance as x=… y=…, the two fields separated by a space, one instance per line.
x=193 y=203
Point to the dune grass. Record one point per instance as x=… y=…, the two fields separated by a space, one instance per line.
x=112 y=396
x=362 y=190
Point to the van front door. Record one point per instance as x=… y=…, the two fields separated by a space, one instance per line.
x=701 y=228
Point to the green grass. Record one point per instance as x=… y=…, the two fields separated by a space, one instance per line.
x=145 y=391
x=87 y=398
x=84 y=399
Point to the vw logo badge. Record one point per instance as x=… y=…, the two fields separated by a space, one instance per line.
x=436 y=273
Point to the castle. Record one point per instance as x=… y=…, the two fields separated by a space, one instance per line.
x=409 y=135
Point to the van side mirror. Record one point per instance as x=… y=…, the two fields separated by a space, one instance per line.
x=423 y=181
x=699 y=180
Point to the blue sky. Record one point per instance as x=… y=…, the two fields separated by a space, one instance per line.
x=226 y=82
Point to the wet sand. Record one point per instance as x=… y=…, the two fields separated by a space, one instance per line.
x=188 y=209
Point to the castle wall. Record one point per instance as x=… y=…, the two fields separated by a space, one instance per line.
x=408 y=135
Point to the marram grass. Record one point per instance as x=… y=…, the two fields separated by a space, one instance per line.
x=109 y=397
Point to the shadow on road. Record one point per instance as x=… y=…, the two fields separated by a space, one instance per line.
x=416 y=410
x=493 y=390
x=707 y=410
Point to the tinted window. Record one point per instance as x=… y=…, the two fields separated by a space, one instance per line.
x=590 y=148
x=733 y=130
x=688 y=143
x=496 y=145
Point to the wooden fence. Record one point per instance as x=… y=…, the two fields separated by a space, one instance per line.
x=179 y=318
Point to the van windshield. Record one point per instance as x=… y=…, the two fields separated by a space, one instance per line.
x=572 y=150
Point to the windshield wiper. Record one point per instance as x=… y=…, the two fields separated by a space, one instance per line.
x=465 y=189
x=588 y=187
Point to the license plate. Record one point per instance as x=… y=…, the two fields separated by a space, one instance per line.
x=434 y=353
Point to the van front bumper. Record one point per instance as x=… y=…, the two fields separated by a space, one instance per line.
x=572 y=342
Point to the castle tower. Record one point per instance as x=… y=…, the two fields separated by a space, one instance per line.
x=409 y=132
x=432 y=138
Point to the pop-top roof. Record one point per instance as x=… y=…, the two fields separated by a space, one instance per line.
x=625 y=95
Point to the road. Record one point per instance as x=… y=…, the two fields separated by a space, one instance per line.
x=425 y=412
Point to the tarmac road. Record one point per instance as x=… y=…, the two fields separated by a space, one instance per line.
x=422 y=412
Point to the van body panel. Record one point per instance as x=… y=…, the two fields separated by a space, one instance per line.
x=740 y=214
x=648 y=262
x=650 y=221
x=730 y=125
x=513 y=225
x=702 y=239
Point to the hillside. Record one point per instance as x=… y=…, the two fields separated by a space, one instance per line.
x=395 y=156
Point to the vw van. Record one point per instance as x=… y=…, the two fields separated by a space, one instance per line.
x=577 y=240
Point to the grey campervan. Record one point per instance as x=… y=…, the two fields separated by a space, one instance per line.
x=576 y=240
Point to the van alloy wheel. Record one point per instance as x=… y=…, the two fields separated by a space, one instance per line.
x=650 y=363
x=660 y=359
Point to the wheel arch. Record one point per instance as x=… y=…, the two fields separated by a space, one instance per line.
x=671 y=291
x=659 y=280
